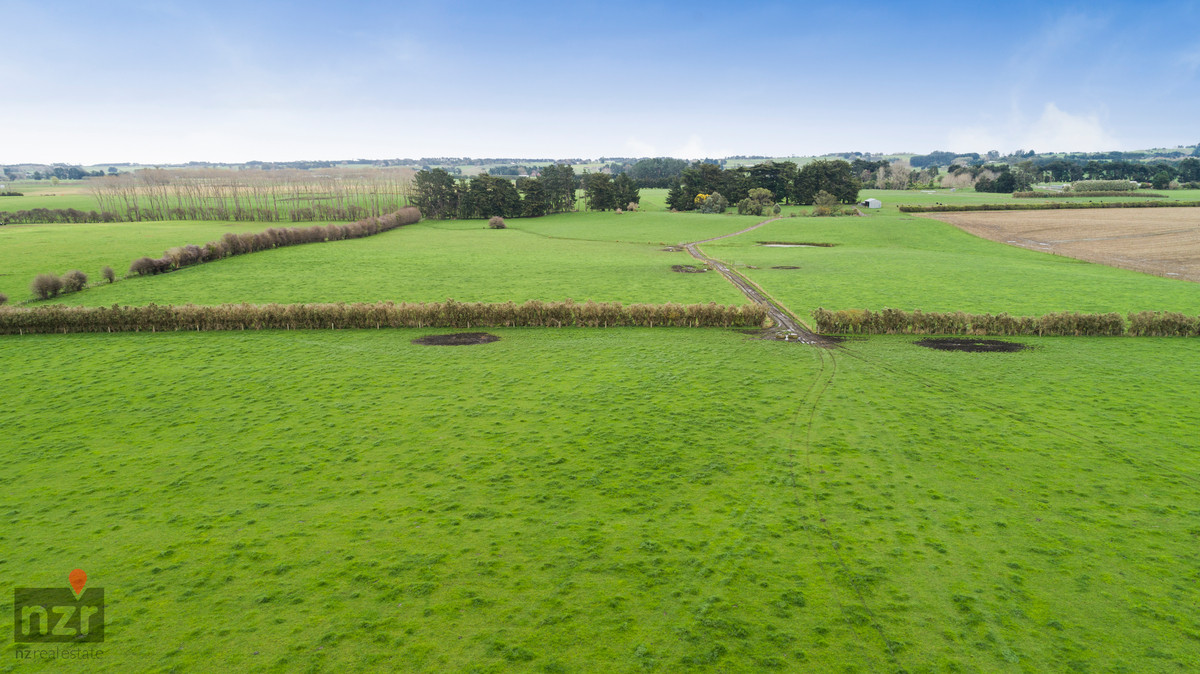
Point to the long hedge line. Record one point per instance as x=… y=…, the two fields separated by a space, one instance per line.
x=276 y=237
x=1104 y=186
x=896 y=321
x=1055 y=205
x=341 y=316
x=1050 y=194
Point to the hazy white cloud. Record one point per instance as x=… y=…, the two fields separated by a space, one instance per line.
x=974 y=139
x=692 y=149
x=1055 y=131
x=639 y=148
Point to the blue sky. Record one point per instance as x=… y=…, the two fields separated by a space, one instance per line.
x=164 y=82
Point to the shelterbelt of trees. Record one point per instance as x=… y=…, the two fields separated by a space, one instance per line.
x=440 y=195
x=783 y=180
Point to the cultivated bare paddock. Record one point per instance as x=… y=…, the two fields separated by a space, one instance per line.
x=1161 y=241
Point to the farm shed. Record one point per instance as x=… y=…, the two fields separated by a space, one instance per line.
x=871 y=203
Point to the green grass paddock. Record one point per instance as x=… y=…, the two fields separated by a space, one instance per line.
x=630 y=500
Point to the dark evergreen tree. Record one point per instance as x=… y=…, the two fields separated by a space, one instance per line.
x=435 y=194
x=626 y=191
x=560 y=184
x=834 y=177
x=534 y=202
x=599 y=191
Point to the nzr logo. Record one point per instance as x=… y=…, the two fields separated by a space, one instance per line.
x=45 y=615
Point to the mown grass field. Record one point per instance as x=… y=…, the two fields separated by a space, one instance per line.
x=908 y=262
x=620 y=500
x=29 y=250
x=650 y=226
x=45 y=194
x=433 y=261
x=625 y=500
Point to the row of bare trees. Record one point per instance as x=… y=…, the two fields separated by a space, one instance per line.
x=1062 y=324
x=448 y=314
x=253 y=195
x=276 y=237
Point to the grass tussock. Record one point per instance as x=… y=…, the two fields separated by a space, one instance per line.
x=449 y=314
x=45 y=286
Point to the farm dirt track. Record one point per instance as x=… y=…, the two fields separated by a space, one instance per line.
x=1160 y=241
x=785 y=323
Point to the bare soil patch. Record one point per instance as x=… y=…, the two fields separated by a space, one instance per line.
x=971 y=345
x=688 y=269
x=1161 y=241
x=457 y=339
x=672 y=249
x=785 y=266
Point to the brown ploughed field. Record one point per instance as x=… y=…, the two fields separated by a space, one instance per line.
x=1160 y=241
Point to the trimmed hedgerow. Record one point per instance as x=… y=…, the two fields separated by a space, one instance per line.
x=449 y=314
x=1163 y=324
x=895 y=321
x=1049 y=194
x=1054 y=205
x=1104 y=186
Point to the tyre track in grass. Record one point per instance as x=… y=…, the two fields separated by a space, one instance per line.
x=799 y=453
x=786 y=325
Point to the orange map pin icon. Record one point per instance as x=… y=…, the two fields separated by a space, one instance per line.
x=77 y=578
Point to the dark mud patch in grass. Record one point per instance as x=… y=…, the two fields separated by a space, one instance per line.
x=971 y=345
x=672 y=249
x=457 y=339
x=796 y=244
x=688 y=269
x=785 y=266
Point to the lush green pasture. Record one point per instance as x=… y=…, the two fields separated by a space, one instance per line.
x=429 y=262
x=29 y=250
x=45 y=194
x=909 y=262
x=653 y=200
x=620 y=500
x=1017 y=512
x=651 y=227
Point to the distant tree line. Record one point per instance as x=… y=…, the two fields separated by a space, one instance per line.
x=1065 y=170
x=440 y=195
x=659 y=172
x=783 y=180
x=896 y=174
x=62 y=172
x=940 y=158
